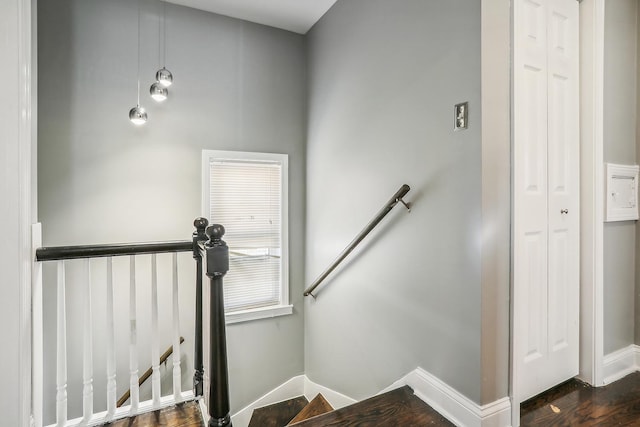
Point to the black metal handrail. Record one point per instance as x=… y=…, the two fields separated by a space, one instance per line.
x=395 y=199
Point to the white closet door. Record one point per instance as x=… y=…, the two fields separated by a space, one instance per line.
x=564 y=190
x=546 y=186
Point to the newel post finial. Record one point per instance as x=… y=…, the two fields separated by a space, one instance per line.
x=200 y=224
x=199 y=235
x=215 y=233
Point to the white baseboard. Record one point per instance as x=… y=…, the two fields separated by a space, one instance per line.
x=336 y=400
x=621 y=363
x=453 y=405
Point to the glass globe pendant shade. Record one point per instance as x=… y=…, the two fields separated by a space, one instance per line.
x=158 y=92
x=164 y=77
x=138 y=115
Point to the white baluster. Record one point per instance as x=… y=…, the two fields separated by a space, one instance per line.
x=38 y=352
x=111 y=349
x=155 y=344
x=61 y=350
x=87 y=353
x=177 y=377
x=133 y=343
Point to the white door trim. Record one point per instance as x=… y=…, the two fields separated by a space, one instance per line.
x=592 y=190
x=27 y=210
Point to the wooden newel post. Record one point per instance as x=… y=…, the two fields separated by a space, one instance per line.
x=217 y=266
x=199 y=236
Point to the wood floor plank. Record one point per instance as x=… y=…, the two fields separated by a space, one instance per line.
x=278 y=414
x=183 y=415
x=396 y=408
x=317 y=406
x=575 y=403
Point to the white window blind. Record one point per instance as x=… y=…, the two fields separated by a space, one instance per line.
x=245 y=196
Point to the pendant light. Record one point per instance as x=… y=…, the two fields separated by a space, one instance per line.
x=164 y=76
x=158 y=92
x=138 y=114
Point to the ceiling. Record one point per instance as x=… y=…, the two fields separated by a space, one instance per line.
x=293 y=15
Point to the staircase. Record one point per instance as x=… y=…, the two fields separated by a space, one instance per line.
x=399 y=407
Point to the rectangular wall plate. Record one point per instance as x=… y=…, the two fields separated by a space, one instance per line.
x=461 y=116
x=622 y=192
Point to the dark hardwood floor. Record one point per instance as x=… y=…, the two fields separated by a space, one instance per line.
x=183 y=415
x=575 y=403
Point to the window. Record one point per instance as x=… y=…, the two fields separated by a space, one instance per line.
x=247 y=194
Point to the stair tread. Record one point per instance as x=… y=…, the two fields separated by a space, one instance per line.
x=278 y=414
x=317 y=406
x=399 y=407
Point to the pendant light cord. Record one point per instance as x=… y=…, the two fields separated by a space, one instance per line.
x=164 y=33
x=138 y=52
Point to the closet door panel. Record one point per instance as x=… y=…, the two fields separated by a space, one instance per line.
x=564 y=187
x=546 y=158
x=530 y=192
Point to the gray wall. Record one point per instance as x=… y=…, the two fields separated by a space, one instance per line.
x=238 y=86
x=383 y=79
x=620 y=80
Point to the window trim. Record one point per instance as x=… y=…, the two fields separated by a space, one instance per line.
x=284 y=308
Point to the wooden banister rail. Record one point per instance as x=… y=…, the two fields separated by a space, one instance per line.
x=126 y=395
x=110 y=250
x=395 y=199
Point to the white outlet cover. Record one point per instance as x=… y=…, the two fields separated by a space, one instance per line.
x=622 y=192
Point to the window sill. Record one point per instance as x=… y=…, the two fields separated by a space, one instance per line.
x=258 y=313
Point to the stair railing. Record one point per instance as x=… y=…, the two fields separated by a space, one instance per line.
x=216 y=253
x=395 y=199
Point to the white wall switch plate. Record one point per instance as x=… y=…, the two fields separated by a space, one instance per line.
x=461 y=116
x=622 y=192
